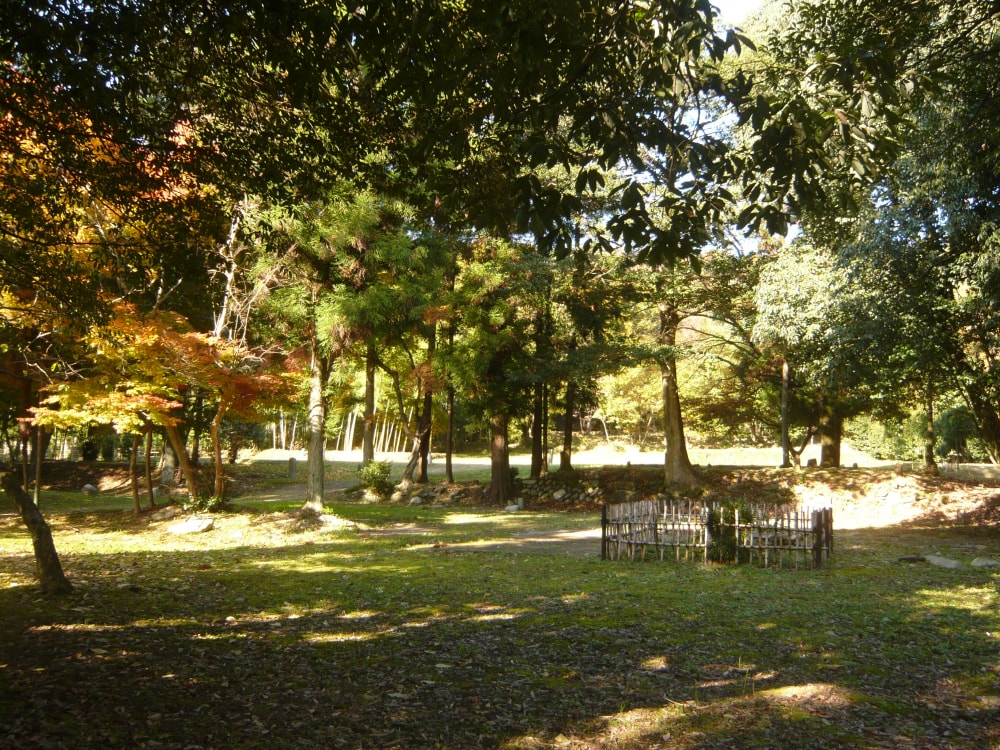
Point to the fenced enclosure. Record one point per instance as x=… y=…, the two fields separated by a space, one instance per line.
x=766 y=534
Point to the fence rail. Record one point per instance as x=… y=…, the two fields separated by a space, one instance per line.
x=765 y=534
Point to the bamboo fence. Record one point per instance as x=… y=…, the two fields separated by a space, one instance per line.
x=766 y=534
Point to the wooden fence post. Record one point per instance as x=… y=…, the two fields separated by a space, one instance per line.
x=604 y=531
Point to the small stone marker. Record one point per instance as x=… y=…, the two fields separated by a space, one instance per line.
x=89 y=489
x=193 y=525
x=943 y=562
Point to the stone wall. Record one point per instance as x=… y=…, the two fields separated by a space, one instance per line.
x=609 y=484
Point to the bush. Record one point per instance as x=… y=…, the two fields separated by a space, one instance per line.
x=108 y=449
x=205 y=504
x=88 y=450
x=893 y=439
x=956 y=431
x=375 y=477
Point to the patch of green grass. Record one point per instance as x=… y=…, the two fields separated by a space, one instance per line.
x=61 y=501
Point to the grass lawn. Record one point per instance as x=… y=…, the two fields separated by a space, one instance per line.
x=412 y=631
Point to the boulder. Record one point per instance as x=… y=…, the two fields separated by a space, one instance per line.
x=943 y=562
x=193 y=525
x=89 y=489
x=985 y=562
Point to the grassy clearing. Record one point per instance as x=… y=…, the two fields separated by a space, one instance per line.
x=272 y=632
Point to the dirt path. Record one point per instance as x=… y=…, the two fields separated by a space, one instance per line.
x=575 y=543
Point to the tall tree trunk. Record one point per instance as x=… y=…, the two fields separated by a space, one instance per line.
x=786 y=390
x=316 y=458
x=40 y=446
x=133 y=476
x=677 y=469
x=424 y=430
x=566 y=454
x=50 y=573
x=449 y=473
x=537 y=430
x=831 y=428
x=368 y=437
x=449 y=450
x=187 y=468
x=501 y=481
x=168 y=460
x=426 y=422
x=149 y=465
x=25 y=402
x=930 y=440
x=199 y=412
x=216 y=432
x=545 y=429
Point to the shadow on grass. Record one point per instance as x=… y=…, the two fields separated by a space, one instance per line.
x=369 y=643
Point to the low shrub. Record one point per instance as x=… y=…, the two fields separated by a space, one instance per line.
x=205 y=504
x=375 y=477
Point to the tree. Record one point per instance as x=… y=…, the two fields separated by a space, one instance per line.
x=594 y=295
x=137 y=368
x=286 y=102
x=923 y=241
x=491 y=361
x=326 y=256
x=50 y=572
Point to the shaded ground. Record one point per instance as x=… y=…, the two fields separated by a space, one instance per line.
x=272 y=632
x=275 y=631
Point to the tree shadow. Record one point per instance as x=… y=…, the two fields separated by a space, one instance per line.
x=323 y=645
